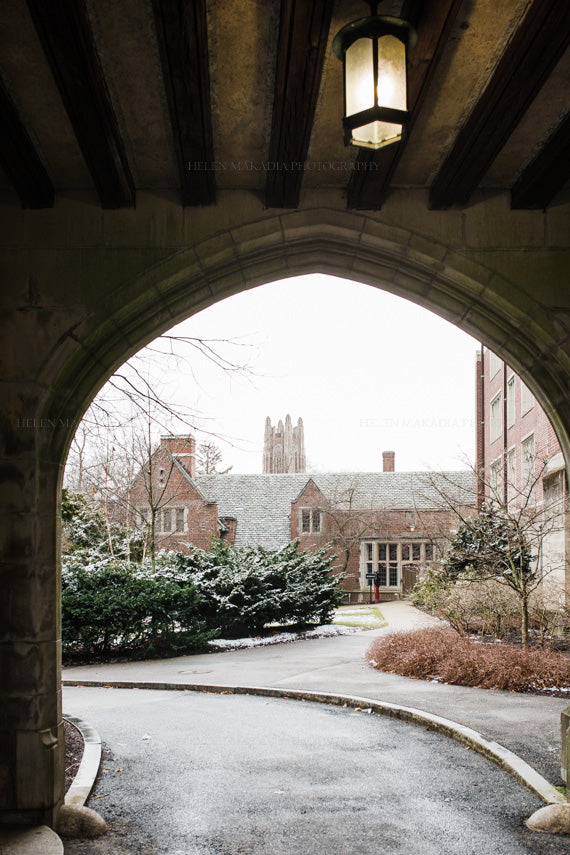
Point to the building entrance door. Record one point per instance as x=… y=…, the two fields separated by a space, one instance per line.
x=409 y=578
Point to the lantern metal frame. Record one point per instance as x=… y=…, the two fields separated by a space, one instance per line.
x=373 y=27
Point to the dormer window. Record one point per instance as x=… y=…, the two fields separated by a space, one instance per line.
x=310 y=521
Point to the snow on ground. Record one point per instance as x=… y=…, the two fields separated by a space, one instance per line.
x=325 y=631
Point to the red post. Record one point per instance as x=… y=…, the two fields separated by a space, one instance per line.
x=376 y=594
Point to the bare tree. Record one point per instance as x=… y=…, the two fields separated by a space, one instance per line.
x=347 y=522
x=505 y=541
x=208 y=458
x=117 y=439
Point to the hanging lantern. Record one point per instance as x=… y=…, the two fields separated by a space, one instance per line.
x=373 y=53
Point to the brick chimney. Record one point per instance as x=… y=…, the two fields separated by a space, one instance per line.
x=183 y=448
x=388 y=461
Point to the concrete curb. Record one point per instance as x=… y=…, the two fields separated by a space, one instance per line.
x=498 y=754
x=82 y=784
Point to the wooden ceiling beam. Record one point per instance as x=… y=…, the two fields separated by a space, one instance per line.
x=534 y=49
x=546 y=173
x=370 y=181
x=303 y=36
x=20 y=160
x=65 y=33
x=182 y=33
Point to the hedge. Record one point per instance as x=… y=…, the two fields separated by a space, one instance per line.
x=110 y=607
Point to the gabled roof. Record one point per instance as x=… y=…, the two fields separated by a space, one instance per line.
x=262 y=503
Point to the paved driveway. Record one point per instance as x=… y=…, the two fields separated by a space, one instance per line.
x=198 y=774
x=528 y=725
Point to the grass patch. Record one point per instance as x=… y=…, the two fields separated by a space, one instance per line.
x=365 y=617
x=444 y=655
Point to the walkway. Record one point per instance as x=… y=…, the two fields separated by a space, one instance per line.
x=528 y=725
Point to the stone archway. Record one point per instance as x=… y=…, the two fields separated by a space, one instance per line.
x=469 y=294
x=110 y=292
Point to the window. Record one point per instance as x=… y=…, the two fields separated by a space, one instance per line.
x=143 y=514
x=511 y=402
x=310 y=521
x=496 y=420
x=388 y=565
x=369 y=560
x=494 y=364
x=161 y=476
x=383 y=561
x=527 y=399
x=553 y=487
x=527 y=463
x=511 y=474
x=167 y=520
x=381 y=564
x=179 y=519
x=496 y=480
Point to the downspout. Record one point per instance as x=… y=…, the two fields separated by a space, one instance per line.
x=480 y=437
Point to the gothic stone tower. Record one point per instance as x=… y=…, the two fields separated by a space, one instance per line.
x=284 y=447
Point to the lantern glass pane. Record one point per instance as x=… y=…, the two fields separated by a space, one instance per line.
x=359 y=76
x=391 y=93
x=391 y=73
x=371 y=135
x=376 y=134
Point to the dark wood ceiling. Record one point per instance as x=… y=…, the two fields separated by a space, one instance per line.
x=199 y=97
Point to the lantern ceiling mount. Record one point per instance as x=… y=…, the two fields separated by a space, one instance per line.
x=373 y=52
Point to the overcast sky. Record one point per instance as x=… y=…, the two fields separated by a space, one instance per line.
x=367 y=371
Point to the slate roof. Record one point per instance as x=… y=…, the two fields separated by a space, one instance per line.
x=261 y=504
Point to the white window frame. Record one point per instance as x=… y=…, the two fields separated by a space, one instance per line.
x=496 y=475
x=511 y=402
x=527 y=399
x=511 y=474
x=496 y=417
x=371 y=559
x=495 y=364
x=528 y=465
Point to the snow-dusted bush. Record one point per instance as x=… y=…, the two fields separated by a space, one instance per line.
x=112 y=604
x=245 y=588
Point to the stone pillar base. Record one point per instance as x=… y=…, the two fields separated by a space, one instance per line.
x=40 y=840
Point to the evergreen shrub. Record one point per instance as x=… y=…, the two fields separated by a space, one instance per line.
x=111 y=606
x=125 y=609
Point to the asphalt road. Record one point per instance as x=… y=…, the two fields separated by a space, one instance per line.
x=198 y=774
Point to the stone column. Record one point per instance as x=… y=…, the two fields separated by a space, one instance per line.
x=31 y=729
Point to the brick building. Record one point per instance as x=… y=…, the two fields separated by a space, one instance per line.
x=165 y=498
x=519 y=455
x=382 y=526
x=387 y=523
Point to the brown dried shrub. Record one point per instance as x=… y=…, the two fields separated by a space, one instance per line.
x=443 y=655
